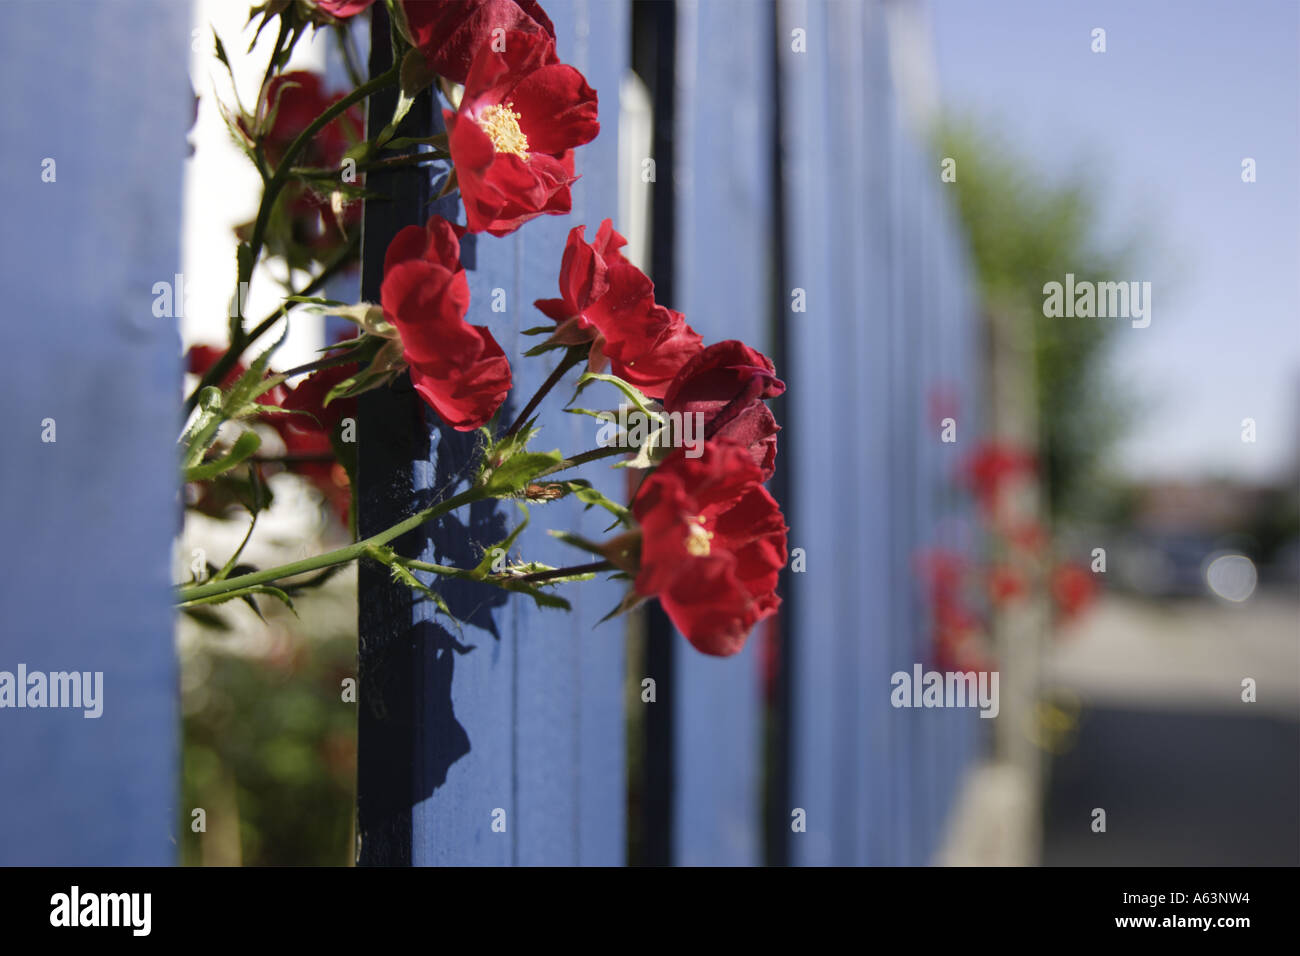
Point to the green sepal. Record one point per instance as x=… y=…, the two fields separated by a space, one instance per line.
x=244 y=447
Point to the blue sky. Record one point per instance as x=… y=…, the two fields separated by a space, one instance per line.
x=1162 y=120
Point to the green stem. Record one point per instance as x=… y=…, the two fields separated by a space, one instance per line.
x=282 y=172
x=330 y=361
x=594 y=455
x=389 y=162
x=239 y=339
x=536 y=576
x=330 y=558
x=443 y=569
x=571 y=358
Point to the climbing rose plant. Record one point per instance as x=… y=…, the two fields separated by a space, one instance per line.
x=700 y=532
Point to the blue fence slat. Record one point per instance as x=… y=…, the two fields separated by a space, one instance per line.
x=818 y=370
x=865 y=238
x=92 y=514
x=529 y=723
x=569 y=673
x=873 y=583
x=724 y=221
x=602 y=32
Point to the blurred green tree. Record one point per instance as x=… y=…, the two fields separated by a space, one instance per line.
x=1025 y=230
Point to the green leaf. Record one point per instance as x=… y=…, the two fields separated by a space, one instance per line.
x=203 y=428
x=483 y=569
x=361 y=382
x=655 y=447
x=630 y=600
x=402 y=575
x=540 y=597
x=254 y=382
x=437 y=140
x=579 y=542
x=244 y=447
x=633 y=394
x=518 y=471
x=602 y=415
x=414 y=78
x=544 y=348
x=245 y=594
x=221 y=54
x=313 y=300
x=206 y=618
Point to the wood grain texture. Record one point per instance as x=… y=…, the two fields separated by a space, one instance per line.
x=724 y=212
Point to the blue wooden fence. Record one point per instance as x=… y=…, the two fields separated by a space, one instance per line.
x=786 y=175
x=528 y=727
x=793 y=208
x=88 y=423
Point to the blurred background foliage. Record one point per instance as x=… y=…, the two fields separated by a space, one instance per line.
x=269 y=738
x=1025 y=229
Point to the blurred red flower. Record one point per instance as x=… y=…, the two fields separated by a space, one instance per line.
x=993 y=468
x=1074 y=589
x=450 y=32
x=343 y=9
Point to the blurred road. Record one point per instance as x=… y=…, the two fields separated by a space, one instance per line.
x=1187 y=772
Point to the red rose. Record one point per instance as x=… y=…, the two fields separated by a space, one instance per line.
x=607 y=301
x=520 y=117
x=713 y=543
x=450 y=32
x=458 y=368
x=583 y=277
x=995 y=467
x=726 y=384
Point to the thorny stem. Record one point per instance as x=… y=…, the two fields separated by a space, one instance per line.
x=571 y=358
x=389 y=162
x=282 y=171
x=329 y=558
x=595 y=454
x=536 y=576
x=329 y=361
x=249 y=254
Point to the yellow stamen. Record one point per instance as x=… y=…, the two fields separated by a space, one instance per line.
x=501 y=123
x=697 y=539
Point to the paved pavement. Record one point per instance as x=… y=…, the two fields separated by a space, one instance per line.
x=1187 y=772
